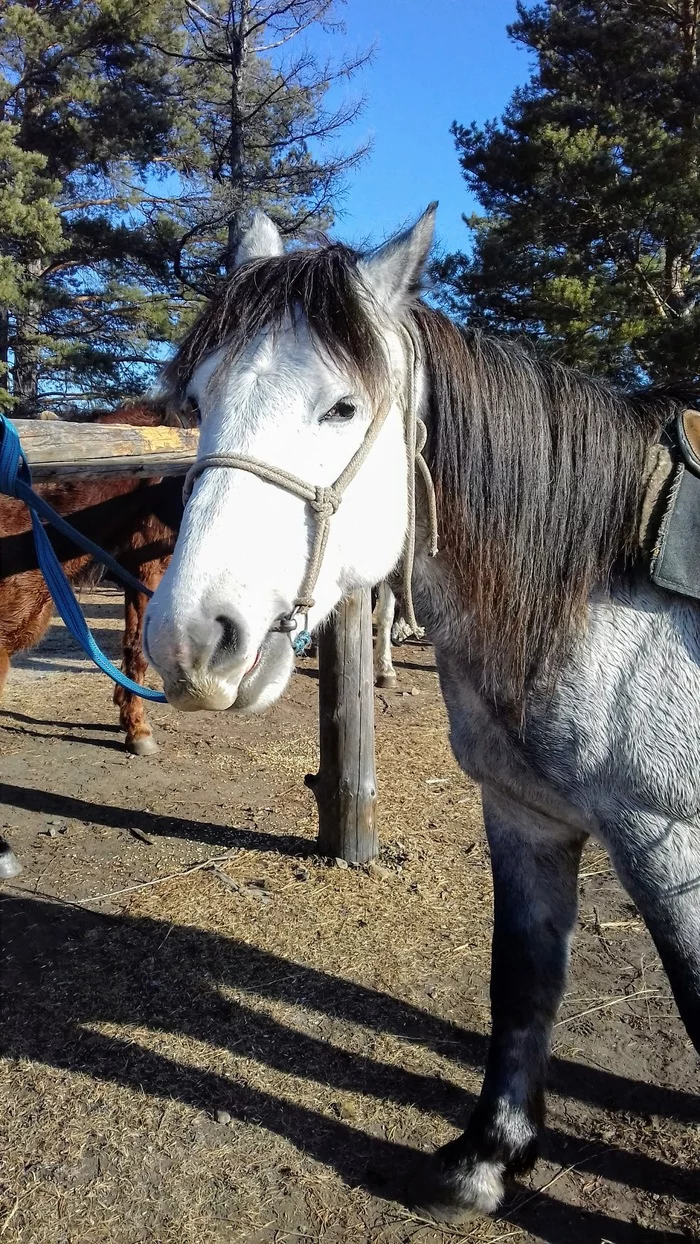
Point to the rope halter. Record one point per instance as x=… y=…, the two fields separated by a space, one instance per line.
x=324 y=500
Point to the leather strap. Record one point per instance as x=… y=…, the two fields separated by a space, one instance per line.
x=689 y=438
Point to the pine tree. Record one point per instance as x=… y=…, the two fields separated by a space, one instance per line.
x=134 y=138
x=260 y=134
x=590 y=235
x=85 y=110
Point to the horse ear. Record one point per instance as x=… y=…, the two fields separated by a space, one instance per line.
x=393 y=272
x=261 y=240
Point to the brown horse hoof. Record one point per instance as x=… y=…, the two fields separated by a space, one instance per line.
x=9 y=865
x=145 y=746
x=385 y=680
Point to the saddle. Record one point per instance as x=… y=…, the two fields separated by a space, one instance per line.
x=671 y=512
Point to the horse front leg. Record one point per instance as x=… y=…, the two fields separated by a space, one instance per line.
x=132 y=709
x=4 y=669
x=535 y=868
x=384 y=672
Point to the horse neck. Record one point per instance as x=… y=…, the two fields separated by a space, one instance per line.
x=538 y=475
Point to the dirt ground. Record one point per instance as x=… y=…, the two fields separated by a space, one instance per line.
x=259 y=1051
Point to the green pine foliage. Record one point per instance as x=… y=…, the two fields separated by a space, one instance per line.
x=589 y=240
x=85 y=111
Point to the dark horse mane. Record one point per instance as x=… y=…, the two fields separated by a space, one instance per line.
x=539 y=471
x=538 y=468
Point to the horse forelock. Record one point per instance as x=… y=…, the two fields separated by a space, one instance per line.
x=320 y=286
x=538 y=472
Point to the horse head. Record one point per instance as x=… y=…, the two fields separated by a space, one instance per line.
x=300 y=494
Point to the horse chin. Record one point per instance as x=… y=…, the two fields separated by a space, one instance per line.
x=200 y=695
x=265 y=683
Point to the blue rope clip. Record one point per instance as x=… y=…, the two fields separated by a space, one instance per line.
x=16 y=481
x=301 y=642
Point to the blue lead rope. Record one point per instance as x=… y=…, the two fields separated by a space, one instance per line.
x=16 y=481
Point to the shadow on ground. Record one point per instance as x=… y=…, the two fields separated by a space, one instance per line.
x=67 y=967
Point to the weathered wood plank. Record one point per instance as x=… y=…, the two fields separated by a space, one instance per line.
x=61 y=450
x=345 y=787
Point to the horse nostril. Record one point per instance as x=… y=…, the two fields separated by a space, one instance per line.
x=228 y=644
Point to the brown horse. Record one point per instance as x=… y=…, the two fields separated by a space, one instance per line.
x=136 y=520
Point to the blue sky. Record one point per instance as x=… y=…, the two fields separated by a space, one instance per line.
x=436 y=61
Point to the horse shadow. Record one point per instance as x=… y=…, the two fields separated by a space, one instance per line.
x=154 y=824
x=25 y=719
x=108 y=744
x=69 y=969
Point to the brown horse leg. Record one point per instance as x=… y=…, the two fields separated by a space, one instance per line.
x=4 y=669
x=132 y=709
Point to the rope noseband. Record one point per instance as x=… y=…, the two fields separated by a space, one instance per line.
x=324 y=500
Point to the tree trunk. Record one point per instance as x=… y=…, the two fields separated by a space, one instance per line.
x=238 y=51
x=345 y=786
x=4 y=345
x=25 y=372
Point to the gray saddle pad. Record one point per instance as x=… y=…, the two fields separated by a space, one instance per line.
x=676 y=561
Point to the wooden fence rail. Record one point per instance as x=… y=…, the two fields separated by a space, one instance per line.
x=66 y=450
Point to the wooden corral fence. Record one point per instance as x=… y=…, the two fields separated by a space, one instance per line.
x=345 y=786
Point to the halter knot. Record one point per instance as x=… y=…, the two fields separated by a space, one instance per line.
x=326 y=501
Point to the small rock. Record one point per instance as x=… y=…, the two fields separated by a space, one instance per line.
x=254 y=891
x=415 y=690
x=223 y=1116
x=302 y=874
x=51 y=832
x=377 y=872
x=225 y=879
x=142 y=837
x=341 y=863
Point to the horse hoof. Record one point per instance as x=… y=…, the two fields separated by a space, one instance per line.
x=455 y=1192
x=385 y=680
x=9 y=865
x=145 y=746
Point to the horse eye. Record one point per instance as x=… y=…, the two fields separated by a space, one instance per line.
x=344 y=409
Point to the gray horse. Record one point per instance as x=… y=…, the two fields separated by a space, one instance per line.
x=572 y=683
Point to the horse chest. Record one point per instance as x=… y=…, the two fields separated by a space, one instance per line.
x=492 y=751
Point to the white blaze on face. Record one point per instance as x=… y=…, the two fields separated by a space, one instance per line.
x=245 y=544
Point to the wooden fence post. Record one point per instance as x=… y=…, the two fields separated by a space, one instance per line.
x=345 y=786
